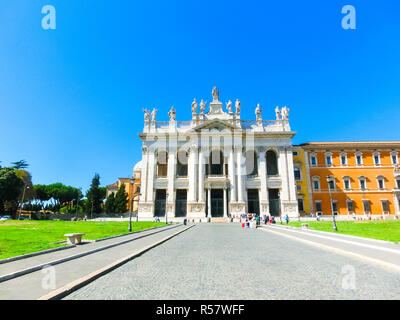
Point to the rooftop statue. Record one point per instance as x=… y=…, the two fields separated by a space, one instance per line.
x=172 y=114
x=285 y=113
x=258 y=112
x=278 y=113
x=194 y=106
x=237 y=107
x=146 y=115
x=153 y=114
x=215 y=94
x=202 y=106
x=229 y=107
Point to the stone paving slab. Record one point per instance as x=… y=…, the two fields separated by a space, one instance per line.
x=30 y=286
x=225 y=261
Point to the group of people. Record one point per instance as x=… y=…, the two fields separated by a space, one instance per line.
x=252 y=217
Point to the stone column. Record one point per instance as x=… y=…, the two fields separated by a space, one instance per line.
x=201 y=176
x=262 y=169
x=150 y=178
x=225 y=206
x=192 y=173
x=171 y=182
x=232 y=177
x=209 y=202
x=239 y=173
x=288 y=192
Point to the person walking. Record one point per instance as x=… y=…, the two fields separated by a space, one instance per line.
x=287 y=219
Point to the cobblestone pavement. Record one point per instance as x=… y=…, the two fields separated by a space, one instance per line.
x=225 y=261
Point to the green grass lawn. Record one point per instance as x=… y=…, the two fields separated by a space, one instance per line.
x=381 y=230
x=21 y=237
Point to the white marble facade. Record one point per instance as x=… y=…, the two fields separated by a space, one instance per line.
x=214 y=149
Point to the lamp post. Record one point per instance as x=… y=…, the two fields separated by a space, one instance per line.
x=130 y=204
x=22 y=200
x=330 y=199
x=166 y=208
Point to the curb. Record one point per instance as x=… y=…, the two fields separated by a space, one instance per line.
x=77 y=284
x=37 y=253
x=336 y=234
x=381 y=263
x=51 y=263
x=32 y=254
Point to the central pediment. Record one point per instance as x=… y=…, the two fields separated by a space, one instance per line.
x=217 y=125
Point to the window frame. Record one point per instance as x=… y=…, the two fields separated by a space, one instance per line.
x=359 y=154
x=313 y=156
x=346 y=163
x=362 y=178
x=388 y=206
x=319 y=202
x=374 y=155
x=347 y=205
x=328 y=155
x=394 y=154
x=318 y=180
x=379 y=179
x=348 y=179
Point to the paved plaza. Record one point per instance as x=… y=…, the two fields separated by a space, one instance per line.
x=225 y=261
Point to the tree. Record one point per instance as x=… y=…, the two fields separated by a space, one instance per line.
x=29 y=193
x=42 y=193
x=10 y=187
x=110 y=203
x=95 y=196
x=121 y=200
x=21 y=164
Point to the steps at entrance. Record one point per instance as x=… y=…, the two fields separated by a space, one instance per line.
x=219 y=220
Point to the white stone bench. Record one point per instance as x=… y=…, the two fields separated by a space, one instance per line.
x=74 y=238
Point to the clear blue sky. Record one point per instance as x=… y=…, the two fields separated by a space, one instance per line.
x=71 y=99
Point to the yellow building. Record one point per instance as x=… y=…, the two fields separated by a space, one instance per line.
x=361 y=178
x=302 y=180
x=132 y=188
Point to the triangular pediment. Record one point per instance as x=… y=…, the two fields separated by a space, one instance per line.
x=217 y=125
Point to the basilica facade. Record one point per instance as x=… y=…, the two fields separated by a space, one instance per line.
x=217 y=165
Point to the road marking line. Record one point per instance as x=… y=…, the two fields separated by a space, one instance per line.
x=336 y=234
x=391 y=266
x=370 y=246
x=77 y=284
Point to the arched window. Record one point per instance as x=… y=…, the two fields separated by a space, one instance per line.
x=162 y=163
x=272 y=163
x=182 y=164
x=251 y=163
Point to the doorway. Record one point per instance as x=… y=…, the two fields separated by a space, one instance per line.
x=274 y=202
x=181 y=203
x=253 y=203
x=160 y=202
x=217 y=203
